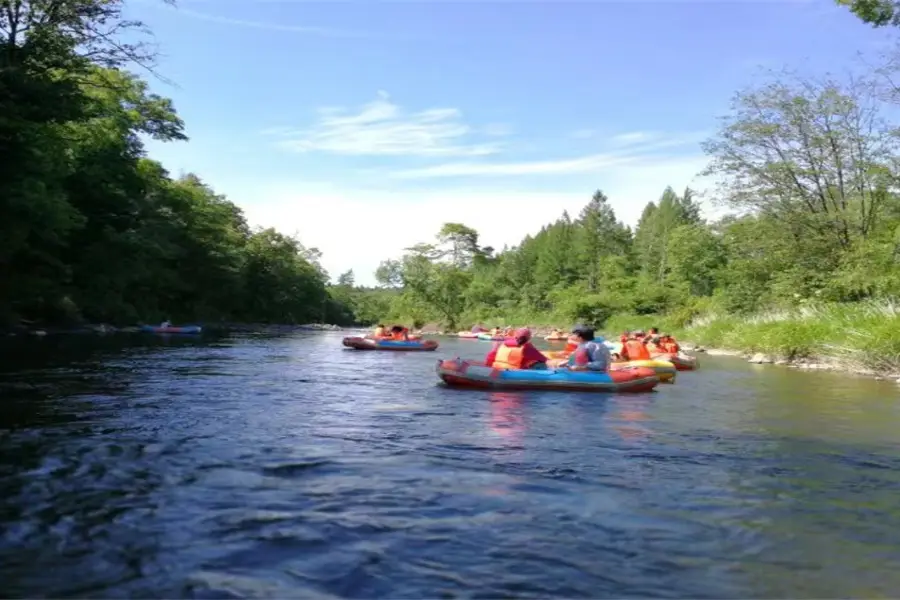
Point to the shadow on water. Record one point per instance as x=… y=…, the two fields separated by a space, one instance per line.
x=285 y=466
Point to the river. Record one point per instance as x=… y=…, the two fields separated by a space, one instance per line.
x=287 y=466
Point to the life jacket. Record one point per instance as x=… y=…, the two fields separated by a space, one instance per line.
x=623 y=338
x=570 y=347
x=670 y=346
x=635 y=350
x=401 y=335
x=511 y=357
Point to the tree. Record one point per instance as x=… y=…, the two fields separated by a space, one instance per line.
x=878 y=13
x=815 y=154
x=346 y=279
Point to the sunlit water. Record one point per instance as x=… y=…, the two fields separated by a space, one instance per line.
x=288 y=466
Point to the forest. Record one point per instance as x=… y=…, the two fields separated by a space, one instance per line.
x=92 y=229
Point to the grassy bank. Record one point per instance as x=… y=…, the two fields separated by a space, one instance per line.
x=859 y=337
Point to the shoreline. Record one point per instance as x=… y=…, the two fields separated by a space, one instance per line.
x=815 y=363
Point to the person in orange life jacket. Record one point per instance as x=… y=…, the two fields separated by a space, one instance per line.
x=516 y=353
x=668 y=344
x=634 y=349
x=591 y=354
x=653 y=337
x=624 y=337
x=399 y=333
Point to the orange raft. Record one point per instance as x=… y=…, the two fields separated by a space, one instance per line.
x=359 y=343
x=474 y=375
x=682 y=362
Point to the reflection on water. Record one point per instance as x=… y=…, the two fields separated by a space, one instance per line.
x=508 y=416
x=269 y=466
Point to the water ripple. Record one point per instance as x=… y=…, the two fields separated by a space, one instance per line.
x=285 y=466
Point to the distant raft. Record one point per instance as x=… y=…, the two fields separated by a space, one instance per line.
x=664 y=369
x=193 y=329
x=359 y=343
x=682 y=362
x=487 y=337
x=467 y=335
x=474 y=375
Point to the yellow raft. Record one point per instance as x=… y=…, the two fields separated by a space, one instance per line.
x=665 y=370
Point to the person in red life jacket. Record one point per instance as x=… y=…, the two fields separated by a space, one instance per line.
x=591 y=353
x=668 y=344
x=634 y=349
x=653 y=337
x=516 y=353
x=624 y=337
x=399 y=333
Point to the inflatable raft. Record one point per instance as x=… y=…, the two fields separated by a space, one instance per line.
x=487 y=337
x=682 y=362
x=185 y=329
x=358 y=343
x=467 y=335
x=468 y=374
x=664 y=369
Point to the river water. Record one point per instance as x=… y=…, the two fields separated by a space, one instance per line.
x=286 y=466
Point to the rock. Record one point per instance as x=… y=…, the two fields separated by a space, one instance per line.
x=761 y=359
x=898 y=380
x=699 y=349
x=879 y=378
x=782 y=361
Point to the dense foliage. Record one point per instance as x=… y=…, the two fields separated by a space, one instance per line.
x=809 y=168
x=92 y=229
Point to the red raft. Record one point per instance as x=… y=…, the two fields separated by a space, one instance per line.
x=360 y=343
x=468 y=374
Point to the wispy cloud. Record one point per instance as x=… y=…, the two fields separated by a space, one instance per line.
x=583 y=164
x=583 y=134
x=286 y=27
x=382 y=128
x=633 y=152
x=632 y=137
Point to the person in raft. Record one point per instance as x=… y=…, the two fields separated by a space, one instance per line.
x=653 y=337
x=668 y=345
x=165 y=324
x=380 y=332
x=399 y=333
x=635 y=349
x=516 y=353
x=591 y=354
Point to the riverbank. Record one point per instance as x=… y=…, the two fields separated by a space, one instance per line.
x=40 y=330
x=863 y=339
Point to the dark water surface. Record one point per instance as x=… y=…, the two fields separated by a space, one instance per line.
x=289 y=467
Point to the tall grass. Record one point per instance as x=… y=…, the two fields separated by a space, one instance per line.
x=864 y=336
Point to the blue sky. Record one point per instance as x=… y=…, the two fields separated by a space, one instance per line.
x=362 y=126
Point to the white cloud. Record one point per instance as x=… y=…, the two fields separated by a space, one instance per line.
x=348 y=224
x=583 y=164
x=633 y=152
x=583 y=134
x=382 y=128
x=633 y=137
